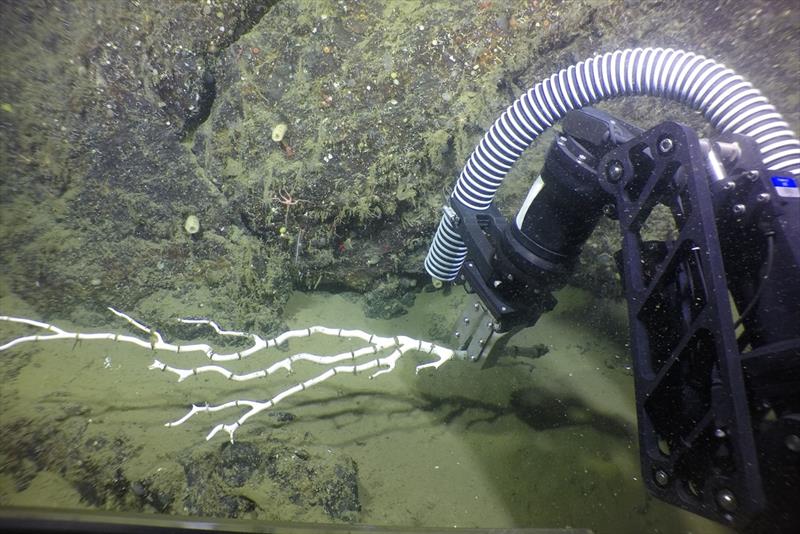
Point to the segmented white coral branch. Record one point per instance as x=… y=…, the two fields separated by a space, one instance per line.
x=375 y=345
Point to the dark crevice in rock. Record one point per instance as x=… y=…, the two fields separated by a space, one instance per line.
x=206 y=95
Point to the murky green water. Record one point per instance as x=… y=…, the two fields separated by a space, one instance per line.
x=107 y=148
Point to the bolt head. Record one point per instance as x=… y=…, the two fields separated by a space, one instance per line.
x=665 y=146
x=661 y=477
x=763 y=197
x=614 y=171
x=726 y=500
x=739 y=209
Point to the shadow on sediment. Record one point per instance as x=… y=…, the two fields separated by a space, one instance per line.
x=535 y=408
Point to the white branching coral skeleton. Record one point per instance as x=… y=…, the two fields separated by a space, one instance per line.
x=352 y=362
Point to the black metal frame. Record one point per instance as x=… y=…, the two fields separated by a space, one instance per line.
x=696 y=439
x=715 y=420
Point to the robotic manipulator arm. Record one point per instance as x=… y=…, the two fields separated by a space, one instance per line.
x=714 y=310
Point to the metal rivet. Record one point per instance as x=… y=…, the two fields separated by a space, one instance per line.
x=661 y=477
x=763 y=197
x=792 y=442
x=665 y=146
x=739 y=209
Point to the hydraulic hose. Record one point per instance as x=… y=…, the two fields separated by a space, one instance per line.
x=727 y=101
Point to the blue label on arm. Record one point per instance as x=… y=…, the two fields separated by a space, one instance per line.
x=785 y=186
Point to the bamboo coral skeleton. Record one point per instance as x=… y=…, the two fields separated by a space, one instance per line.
x=345 y=362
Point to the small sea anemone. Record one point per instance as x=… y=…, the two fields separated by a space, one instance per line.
x=278 y=132
x=192 y=224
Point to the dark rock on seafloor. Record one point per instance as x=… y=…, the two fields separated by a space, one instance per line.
x=243 y=477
